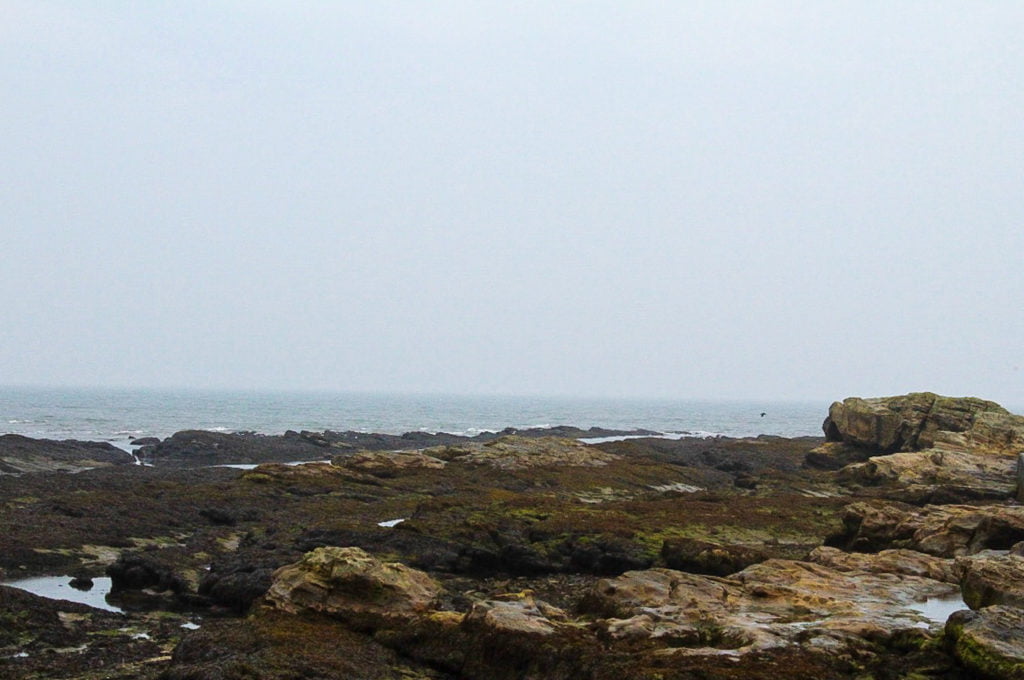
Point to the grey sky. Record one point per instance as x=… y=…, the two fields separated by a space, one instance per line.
x=774 y=200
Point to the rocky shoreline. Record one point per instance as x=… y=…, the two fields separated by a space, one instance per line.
x=527 y=554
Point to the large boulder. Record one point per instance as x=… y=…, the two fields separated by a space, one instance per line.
x=923 y=420
x=351 y=585
x=989 y=642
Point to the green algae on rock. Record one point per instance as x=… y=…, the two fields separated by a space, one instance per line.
x=989 y=642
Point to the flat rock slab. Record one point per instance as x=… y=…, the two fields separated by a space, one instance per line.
x=768 y=605
x=941 y=530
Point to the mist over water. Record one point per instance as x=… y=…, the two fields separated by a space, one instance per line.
x=118 y=415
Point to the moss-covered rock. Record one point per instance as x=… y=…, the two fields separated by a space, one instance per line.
x=989 y=642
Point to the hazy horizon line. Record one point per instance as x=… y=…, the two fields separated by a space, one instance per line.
x=323 y=391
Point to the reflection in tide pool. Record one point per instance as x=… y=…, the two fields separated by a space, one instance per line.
x=59 y=588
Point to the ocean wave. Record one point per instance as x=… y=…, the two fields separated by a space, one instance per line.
x=616 y=438
x=695 y=434
x=692 y=434
x=471 y=432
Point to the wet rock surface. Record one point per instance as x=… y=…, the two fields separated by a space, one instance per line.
x=529 y=555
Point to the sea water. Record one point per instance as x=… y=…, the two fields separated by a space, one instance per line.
x=119 y=415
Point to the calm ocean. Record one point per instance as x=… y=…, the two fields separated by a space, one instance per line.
x=117 y=415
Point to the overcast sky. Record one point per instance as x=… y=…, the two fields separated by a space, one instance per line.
x=793 y=200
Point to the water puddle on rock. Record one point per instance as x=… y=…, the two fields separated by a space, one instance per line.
x=253 y=466
x=59 y=588
x=938 y=609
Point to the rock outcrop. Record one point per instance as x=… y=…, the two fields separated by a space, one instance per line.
x=194 y=448
x=938 y=475
x=941 y=530
x=19 y=455
x=351 y=585
x=141 y=572
x=514 y=452
x=772 y=604
x=389 y=463
x=894 y=561
x=935 y=449
x=923 y=420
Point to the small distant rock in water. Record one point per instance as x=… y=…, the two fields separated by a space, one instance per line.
x=81 y=583
x=144 y=441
